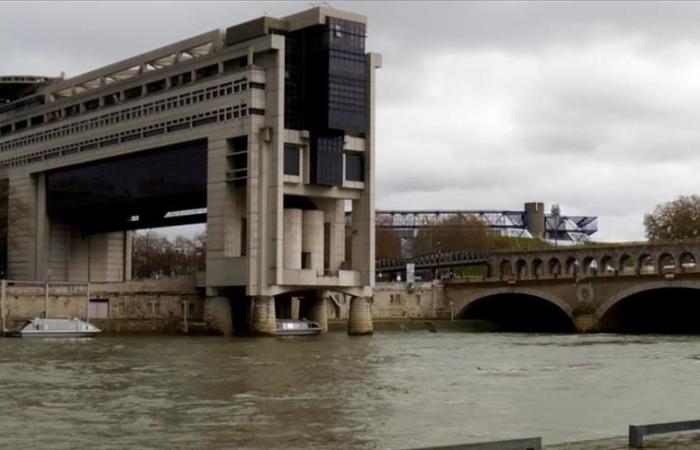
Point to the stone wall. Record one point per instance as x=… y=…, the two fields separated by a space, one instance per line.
x=133 y=306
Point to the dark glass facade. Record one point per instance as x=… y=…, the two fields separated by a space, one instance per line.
x=131 y=191
x=354 y=167
x=291 y=160
x=326 y=91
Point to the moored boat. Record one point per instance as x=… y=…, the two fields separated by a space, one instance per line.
x=294 y=327
x=52 y=328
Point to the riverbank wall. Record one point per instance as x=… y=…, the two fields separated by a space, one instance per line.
x=164 y=305
x=140 y=306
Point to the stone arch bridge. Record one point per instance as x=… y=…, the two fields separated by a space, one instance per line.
x=617 y=288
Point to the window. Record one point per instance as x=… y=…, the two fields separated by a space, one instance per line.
x=291 y=160
x=354 y=167
x=155 y=86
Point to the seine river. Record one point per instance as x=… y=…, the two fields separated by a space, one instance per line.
x=391 y=390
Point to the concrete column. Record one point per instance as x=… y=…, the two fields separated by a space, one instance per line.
x=292 y=238
x=263 y=319
x=42 y=230
x=318 y=311
x=360 y=317
x=128 y=253
x=312 y=237
x=217 y=315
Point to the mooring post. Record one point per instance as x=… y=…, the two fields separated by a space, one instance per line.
x=3 y=313
x=185 y=306
x=87 y=301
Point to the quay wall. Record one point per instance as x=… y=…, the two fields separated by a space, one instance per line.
x=157 y=305
x=132 y=306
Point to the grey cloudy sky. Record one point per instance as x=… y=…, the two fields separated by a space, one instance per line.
x=590 y=105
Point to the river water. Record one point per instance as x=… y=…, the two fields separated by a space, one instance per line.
x=391 y=390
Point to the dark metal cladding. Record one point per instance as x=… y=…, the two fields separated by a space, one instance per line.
x=326 y=91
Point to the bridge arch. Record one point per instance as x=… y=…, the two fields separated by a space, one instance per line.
x=519 y=309
x=607 y=266
x=654 y=307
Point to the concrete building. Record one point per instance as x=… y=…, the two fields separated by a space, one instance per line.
x=264 y=130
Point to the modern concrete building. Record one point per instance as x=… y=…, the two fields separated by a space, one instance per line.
x=264 y=130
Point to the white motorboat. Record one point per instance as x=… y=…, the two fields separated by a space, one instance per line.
x=294 y=327
x=52 y=328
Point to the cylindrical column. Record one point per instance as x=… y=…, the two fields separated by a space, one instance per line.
x=360 y=317
x=534 y=219
x=292 y=238
x=263 y=318
x=312 y=238
x=318 y=309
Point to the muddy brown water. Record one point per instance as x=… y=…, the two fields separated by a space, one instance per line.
x=391 y=390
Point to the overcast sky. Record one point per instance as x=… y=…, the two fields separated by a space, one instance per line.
x=593 y=105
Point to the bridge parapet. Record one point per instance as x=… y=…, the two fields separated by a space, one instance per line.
x=595 y=261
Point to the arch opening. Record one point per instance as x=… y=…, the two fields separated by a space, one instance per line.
x=537 y=268
x=607 y=266
x=506 y=269
x=519 y=313
x=645 y=264
x=521 y=269
x=554 y=267
x=687 y=262
x=626 y=264
x=667 y=263
x=663 y=310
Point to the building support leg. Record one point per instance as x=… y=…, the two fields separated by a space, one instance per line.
x=263 y=321
x=318 y=311
x=218 y=316
x=360 y=317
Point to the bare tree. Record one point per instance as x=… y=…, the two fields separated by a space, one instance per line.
x=154 y=255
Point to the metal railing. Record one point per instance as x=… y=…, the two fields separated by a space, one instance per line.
x=513 y=444
x=637 y=432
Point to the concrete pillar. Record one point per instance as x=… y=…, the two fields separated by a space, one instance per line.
x=42 y=230
x=312 y=238
x=534 y=219
x=217 y=315
x=318 y=311
x=263 y=320
x=360 y=317
x=292 y=238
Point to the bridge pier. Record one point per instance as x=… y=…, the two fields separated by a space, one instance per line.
x=218 y=316
x=263 y=321
x=318 y=311
x=360 y=317
x=585 y=323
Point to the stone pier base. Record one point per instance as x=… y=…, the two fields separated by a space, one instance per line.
x=360 y=317
x=263 y=319
x=217 y=315
x=585 y=323
x=318 y=310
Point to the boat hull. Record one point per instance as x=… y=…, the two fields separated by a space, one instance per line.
x=297 y=332
x=53 y=334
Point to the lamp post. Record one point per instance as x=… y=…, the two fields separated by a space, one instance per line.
x=439 y=257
